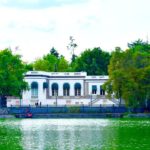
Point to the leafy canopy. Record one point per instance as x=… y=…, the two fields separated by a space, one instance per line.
x=51 y=62
x=129 y=74
x=11 y=74
x=93 y=61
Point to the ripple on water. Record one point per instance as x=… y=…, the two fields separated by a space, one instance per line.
x=70 y=134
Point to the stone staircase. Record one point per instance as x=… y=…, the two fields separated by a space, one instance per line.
x=95 y=100
x=115 y=101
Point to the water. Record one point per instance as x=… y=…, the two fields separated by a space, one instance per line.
x=75 y=134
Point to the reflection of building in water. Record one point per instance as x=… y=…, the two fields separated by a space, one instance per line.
x=64 y=88
x=32 y=135
x=66 y=134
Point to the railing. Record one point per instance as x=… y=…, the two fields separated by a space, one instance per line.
x=96 y=98
x=93 y=101
x=3 y=111
x=71 y=109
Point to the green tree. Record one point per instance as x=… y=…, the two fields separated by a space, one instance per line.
x=140 y=45
x=28 y=67
x=54 y=52
x=41 y=65
x=62 y=65
x=93 y=61
x=11 y=75
x=129 y=75
x=51 y=63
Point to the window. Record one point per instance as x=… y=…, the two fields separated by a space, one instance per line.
x=102 y=91
x=66 y=89
x=77 y=88
x=94 y=89
x=54 y=89
x=45 y=85
x=34 y=90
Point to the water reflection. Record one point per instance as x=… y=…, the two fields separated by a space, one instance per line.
x=63 y=134
x=74 y=134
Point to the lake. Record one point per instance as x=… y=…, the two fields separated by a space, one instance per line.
x=75 y=134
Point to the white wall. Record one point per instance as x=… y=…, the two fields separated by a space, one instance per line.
x=13 y=101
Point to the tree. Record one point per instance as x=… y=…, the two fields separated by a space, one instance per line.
x=51 y=63
x=11 y=75
x=41 y=65
x=62 y=65
x=54 y=52
x=129 y=74
x=93 y=61
x=137 y=43
x=115 y=74
x=28 y=67
x=47 y=63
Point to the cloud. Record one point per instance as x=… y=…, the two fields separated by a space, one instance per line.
x=93 y=23
x=37 y=4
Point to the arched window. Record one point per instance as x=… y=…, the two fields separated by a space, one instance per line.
x=77 y=88
x=54 y=89
x=94 y=89
x=45 y=85
x=34 y=90
x=102 y=91
x=66 y=89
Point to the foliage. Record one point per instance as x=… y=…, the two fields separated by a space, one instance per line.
x=129 y=74
x=62 y=64
x=51 y=62
x=93 y=61
x=11 y=74
x=28 y=67
x=54 y=52
x=73 y=109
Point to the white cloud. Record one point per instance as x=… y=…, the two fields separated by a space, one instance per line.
x=95 y=23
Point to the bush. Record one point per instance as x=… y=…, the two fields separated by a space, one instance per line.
x=73 y=109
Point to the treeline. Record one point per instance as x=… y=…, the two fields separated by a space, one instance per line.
x=93 y=61
x=128 y=70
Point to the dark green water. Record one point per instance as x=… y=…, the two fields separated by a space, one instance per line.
x=75 y=134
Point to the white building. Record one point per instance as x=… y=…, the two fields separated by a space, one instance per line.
x=64 y=88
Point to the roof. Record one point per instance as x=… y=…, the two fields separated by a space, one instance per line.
x=64 y=75
x=56 y=73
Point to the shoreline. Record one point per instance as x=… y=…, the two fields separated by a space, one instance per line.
x=73 y=115
x=77 y=115
x=7 y=117
x=71 y=112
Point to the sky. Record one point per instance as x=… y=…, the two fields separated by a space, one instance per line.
x=32 y=27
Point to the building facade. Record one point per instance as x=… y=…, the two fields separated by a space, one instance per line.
x=64 y=88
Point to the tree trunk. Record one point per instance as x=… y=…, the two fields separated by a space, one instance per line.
x=120 y=101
